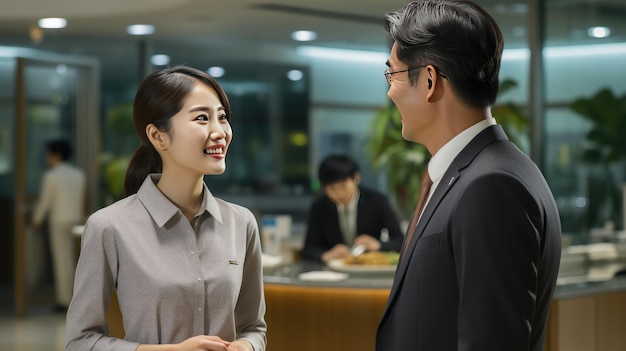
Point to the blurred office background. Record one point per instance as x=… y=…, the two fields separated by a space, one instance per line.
x=294 y=99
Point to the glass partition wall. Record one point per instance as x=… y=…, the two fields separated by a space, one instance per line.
x=7 y=177
x=290 y=108
x=585 y=116
x=48 y=96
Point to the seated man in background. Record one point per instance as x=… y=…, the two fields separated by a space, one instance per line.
x=347 y=214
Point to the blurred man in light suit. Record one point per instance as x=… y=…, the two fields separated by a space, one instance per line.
x=480 y=261
x=62 y=199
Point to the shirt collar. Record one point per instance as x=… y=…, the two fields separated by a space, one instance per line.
x=352 y=204
x=440 y=162
x=162 y=210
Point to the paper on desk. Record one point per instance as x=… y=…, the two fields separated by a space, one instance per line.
x=595 y=252
x=270 y=261
x=604 y=272
x=323 y=276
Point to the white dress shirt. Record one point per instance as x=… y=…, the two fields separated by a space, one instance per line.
x=347 y=218
x=440 y=162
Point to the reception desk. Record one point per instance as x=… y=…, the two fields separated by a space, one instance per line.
x=587 y=313
x=303 y=315
x=308 y=318
x=319 y=315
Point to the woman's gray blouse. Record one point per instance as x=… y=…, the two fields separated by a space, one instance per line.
x=174 y=279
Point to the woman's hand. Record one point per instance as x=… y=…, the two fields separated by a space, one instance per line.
x=196 y=343
x=201 y=343
x=240 y=345
x=204 y=343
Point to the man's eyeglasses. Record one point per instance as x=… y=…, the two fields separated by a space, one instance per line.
x=388 y=74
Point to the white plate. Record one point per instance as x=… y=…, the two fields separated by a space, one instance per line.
x=322 y=276
x=338 y=265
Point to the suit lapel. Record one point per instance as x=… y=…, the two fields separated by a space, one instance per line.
x=447 y=181
x=450 y=177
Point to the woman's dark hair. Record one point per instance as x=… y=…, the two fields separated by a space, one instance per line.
x=460 y=39
x=335 y=168
x=159 y=97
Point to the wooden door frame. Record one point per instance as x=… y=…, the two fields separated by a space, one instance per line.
x=87 y=141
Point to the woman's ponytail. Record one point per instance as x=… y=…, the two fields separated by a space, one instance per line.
x=145 y=160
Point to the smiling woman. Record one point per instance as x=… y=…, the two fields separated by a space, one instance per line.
x=133 y=247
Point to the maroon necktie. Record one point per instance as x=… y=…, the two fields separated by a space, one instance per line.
x=424 y=190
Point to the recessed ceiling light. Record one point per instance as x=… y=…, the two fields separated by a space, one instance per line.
x=303 y=35
x=52 y=23
x=295 y=75
x=216 y=71
x=599 y=32
x=160 y=60
x=140 y=29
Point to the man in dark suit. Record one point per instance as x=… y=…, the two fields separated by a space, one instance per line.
x=479 y=266
x=348 y=214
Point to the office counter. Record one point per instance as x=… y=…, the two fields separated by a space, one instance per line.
x=323 y=315
x=342 y=315
x=586 y=315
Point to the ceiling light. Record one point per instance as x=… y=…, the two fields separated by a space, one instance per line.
x=303 y=35
x=585 y=50
x=599 y=32
x=140 y=29
x=295 y=75
x=160 y=60
x=52 y=23
x=216 y=71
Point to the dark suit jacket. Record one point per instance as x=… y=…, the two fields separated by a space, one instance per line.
x=481 y=267
x=373 y=214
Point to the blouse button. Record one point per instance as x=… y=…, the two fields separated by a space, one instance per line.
x=199 y=279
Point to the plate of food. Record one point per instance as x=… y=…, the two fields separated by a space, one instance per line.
x=367 y=262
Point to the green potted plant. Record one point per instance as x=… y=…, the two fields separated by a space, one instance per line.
x=605 y=149
x=405 y=161
x=114 y=160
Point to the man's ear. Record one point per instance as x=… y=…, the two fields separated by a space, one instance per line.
x=156 y=137
x=432 y=80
